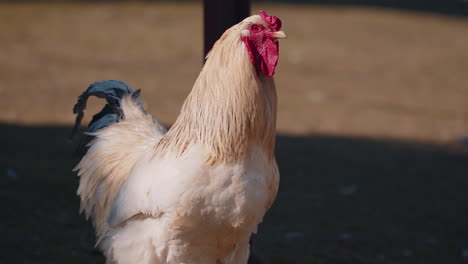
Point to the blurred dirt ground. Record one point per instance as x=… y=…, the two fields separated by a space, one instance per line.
x=372 y=106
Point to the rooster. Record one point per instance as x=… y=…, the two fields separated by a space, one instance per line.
x=194 y=193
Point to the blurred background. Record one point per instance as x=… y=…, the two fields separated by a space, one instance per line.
x=372 y=122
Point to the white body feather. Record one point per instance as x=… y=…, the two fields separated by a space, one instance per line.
x=193 y=213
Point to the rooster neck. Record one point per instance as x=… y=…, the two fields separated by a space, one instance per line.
x=229 y=106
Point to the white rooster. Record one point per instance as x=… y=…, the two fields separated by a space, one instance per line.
x=196 y=193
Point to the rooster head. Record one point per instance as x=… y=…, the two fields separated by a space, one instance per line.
x=260 y=35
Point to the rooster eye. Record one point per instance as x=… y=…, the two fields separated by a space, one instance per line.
x=256 y=28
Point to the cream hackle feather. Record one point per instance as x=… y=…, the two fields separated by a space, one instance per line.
x=229 y=104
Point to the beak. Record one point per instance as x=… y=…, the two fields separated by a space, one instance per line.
x=279 y=35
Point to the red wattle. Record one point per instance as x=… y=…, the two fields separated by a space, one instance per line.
x=269 y=57
x=264 y=54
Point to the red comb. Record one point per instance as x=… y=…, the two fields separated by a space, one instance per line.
x=273 y=21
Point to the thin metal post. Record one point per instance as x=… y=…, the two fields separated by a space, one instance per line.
x=219 y=15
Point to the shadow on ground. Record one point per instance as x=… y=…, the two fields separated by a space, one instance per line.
x=341 y=200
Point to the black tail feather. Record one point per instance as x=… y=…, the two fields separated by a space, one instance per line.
x=113 y=91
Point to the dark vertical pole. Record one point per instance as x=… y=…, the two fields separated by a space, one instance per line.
x=219 y=15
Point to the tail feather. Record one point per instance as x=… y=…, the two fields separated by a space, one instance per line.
x=113 y=91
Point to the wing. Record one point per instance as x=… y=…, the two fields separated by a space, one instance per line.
x=114 y=141
x=159 y=183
